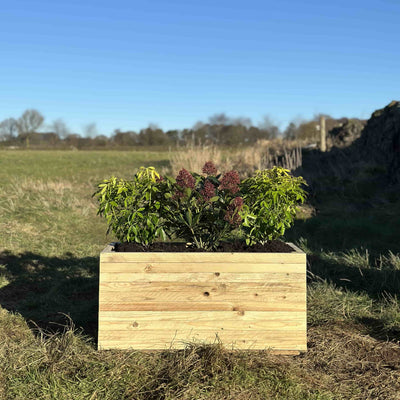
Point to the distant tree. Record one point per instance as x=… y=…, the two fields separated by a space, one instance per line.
x=188 y=136
x=28 y=123
x=8 y=128
x=219 y=119
x=100 y=141
x=198 y=125
x=153 y=136
x=290 y=132
x=47 y=139
x=128 y=138
x=173 y=136
x=242 y=121
x=233 y=135
x=72 y=140
x=308 y=130
x=268 y=128
x=60 y=128
x=198 y=135
x=252 y=135
x=90 y=130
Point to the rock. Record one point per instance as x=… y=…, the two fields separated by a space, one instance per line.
x=380 y=139
x=347 y=132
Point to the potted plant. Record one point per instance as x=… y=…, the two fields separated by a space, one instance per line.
x=195 y=261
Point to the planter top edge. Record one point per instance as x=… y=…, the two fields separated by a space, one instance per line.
x=110 y=246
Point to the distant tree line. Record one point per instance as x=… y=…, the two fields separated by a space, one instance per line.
x=29 y=131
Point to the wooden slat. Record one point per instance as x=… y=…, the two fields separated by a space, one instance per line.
x=293 y=303
x=207 y=257
x=186 y=267
x=256 y=289
x=164 y=339
x=204 y=320
x=218 y=277
x=108 y=345
x=181 y=292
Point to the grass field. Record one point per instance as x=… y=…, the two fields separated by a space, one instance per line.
x=50 y=239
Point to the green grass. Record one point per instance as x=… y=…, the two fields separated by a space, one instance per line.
x=50 y=239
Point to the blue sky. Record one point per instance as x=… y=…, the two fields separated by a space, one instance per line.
x=124 y=64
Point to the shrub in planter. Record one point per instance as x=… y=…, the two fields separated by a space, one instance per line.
x=201 y=210
x=157 y=300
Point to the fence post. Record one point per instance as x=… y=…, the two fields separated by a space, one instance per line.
x=323 y=133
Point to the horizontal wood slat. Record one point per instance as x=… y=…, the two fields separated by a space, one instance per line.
x=297 y=304
x=203 y=320
x=159 y=292
x=212 y=277
x=217 y=277
x=207 y=257
x=252 y=288
x=163 y=339
x=184 y=267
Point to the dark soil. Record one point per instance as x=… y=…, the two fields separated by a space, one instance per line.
x=273 y=246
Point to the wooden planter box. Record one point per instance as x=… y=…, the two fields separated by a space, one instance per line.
x=155 y=301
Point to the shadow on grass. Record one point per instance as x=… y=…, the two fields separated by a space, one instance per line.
x=356 y=214
x=45 y=289
x=323 y=235
x=373 y=281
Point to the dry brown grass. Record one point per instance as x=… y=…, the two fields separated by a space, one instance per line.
x=351 y=365
x=263 y=155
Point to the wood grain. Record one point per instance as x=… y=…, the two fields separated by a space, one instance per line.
x=202 y=320
x=295 y=305
x=159 y=267
x=218 y=277
x=207 y=257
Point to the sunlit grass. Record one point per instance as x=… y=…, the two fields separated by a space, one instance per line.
x=50 y=239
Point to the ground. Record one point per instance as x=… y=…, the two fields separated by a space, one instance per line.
x=50 y=239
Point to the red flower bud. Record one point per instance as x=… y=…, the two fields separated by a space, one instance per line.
x=209 y=168
x=185 y=179
x=230 y=181
x=208 y=190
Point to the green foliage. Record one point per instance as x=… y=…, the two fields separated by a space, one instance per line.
x=271 y=198
x=203 y=209
x=132 y=208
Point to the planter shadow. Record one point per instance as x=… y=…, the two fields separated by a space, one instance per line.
x=44 y=290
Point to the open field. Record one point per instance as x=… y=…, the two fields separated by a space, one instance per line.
x=50 y=239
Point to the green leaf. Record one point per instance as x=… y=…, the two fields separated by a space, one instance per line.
x=189 y=217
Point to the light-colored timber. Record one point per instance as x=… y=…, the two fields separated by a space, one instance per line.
x=156 y=301
x=271 y=277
